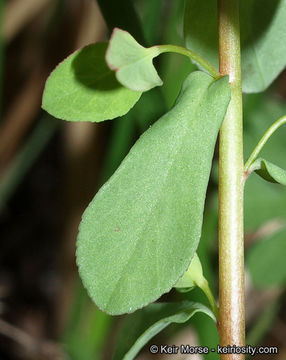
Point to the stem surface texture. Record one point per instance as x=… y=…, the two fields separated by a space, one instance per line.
x=231 y=182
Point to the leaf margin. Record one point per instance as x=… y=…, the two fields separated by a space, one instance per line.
x=52 y=88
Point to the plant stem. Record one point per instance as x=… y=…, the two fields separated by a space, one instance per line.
x=231 y=182
x=263 y=141
x=192 y=55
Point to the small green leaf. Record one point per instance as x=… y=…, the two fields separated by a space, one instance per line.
x=193 y=276
x=177 y=313
x=83 y=88
x=268 y=171
x=266 y=261
x=132 y=62
x=263 y=38
x=140 y=232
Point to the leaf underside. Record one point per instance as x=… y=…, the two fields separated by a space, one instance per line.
x=268 y=171
x=263 y=38
x=83 y=88
x=266 y=261
x=140 y=232
x=132 y=62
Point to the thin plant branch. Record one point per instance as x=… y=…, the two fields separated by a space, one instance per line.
x=199 y=60
x=281 y=121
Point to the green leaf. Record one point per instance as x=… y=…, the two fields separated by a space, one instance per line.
x=170 y=313
x=132 y=62
x=193 y=276
x=201 y=29
x=134 y=325
x=268 y=171
x=83 y=88
x=140 y=232
x=205 y=328
x=187 y=282
x=263 y=38
x=266 y=261
x=263 y=201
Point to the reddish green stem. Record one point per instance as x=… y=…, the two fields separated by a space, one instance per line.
x=231 y=181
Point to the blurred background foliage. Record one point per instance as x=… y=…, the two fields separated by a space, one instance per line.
x=50 y=170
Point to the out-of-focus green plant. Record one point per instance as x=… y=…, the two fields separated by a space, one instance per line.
x=1 y=54
x=139 y=235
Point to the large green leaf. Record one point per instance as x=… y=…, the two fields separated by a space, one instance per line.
x=162 y=316
x=132 y=62
x=268 y=171
x=83 y=88
x=263 y=38
x=266 y=261
x=140 y=232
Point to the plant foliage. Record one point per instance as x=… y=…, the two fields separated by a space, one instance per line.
x=83 y=88
x=263 y=38
x=166 y=314
x=268 y=171
x=140 y=232
x=132 y=62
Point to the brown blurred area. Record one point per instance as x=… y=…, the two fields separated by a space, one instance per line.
x=39 y=222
